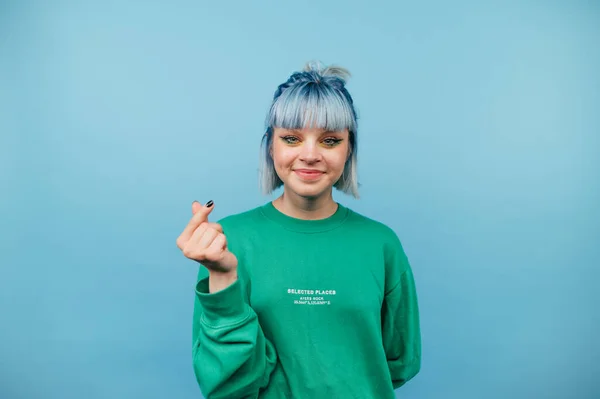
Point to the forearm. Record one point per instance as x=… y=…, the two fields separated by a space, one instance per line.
x=219 y=281
x=401 y=330
x=232 y=357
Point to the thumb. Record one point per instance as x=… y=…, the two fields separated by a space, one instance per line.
x=200 y=215
x=206 y=209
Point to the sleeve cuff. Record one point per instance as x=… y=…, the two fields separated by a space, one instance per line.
x=223 y=307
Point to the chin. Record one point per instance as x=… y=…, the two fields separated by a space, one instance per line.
x=309 y=192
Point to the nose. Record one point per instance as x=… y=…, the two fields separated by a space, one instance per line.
x=310 y=152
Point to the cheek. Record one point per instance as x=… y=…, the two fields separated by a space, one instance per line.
x=282 y=156
x=339 y=158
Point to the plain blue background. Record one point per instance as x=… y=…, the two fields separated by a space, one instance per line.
x=478 y=144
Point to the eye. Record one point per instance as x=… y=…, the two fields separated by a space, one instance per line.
x=331 y=141
x=290 y=139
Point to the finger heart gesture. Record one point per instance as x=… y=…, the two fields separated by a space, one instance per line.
x=205 y=242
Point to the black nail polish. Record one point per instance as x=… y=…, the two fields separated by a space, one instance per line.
x=209 y=204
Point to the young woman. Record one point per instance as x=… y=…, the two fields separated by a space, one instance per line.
x=302 y=297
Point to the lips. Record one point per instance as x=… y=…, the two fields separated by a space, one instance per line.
x=308 y=170
x=308 y=174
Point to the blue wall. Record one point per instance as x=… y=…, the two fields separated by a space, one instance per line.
x=479 y=145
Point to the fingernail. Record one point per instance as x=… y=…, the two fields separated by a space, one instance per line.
x=209 y=204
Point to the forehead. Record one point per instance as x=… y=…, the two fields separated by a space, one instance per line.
x=311 y=131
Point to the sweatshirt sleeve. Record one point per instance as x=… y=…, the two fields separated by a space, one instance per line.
x=231 y=356
x=400 y=319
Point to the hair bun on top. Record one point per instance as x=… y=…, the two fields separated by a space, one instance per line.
x=320 y=69
x=317 y=72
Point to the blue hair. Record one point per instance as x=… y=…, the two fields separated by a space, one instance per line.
x=313 y=98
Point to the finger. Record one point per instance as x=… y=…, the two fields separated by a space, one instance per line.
x=215 y=250
x=199 y=217
x=205 y=239
x=193 y=249
x=215 y=226
x=197 y=236
x=196 y=207
x=202 y=230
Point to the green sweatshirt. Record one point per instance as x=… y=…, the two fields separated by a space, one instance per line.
x=321 y=309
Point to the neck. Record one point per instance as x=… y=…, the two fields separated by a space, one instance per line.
x=313 y=208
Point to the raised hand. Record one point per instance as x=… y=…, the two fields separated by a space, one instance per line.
x=205 y=242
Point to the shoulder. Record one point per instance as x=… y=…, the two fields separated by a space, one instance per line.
x=395 y=257
x=386 y=237
x=372 y=226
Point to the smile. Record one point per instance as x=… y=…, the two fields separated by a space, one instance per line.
x=307 y=174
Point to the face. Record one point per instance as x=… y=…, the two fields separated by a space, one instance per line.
x=309 y=161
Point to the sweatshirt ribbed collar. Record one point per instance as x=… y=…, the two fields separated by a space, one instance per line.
x=303 y=225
